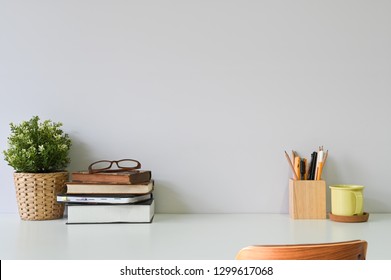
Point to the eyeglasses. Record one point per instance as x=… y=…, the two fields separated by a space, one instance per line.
x=105 y=166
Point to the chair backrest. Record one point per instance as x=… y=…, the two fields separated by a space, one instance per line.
x=348 y=250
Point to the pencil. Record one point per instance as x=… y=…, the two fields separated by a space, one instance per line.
x=319 y=171
x=297 y=166
x=321 y=165
x=325 y=157
x=291 y=165
x=293 y=157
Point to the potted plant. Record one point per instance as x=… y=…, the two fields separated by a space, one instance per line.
x=38 y=152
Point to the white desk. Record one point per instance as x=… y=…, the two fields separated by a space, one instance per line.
x=181 y=236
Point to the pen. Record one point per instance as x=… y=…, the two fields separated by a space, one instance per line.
x=311 y=171
x=319 y=163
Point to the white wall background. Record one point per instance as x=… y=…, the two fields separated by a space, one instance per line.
x=206 y=94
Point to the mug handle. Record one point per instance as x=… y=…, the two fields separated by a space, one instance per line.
x=359 y=202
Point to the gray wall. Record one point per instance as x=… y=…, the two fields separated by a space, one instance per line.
x=206 y=94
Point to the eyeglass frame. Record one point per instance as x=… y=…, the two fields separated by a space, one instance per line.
x=109 y=170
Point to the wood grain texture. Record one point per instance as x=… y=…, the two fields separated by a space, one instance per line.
x=348 y=250
x=307 y=199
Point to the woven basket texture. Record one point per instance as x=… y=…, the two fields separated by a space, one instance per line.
x=36 y=194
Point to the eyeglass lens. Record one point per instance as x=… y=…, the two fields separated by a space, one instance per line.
x=102 y=165
x=127 y=164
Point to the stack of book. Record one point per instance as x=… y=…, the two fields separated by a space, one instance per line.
x=124 y=197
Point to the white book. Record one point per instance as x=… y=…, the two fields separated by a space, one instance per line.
x=99 y=198
x=142 y=212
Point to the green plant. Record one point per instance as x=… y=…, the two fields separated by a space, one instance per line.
x=37 y=147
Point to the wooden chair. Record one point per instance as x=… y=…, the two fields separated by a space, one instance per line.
x=348 y=250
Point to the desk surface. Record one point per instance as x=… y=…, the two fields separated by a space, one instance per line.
x=181 y=236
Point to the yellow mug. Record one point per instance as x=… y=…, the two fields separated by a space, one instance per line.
x=347 y=200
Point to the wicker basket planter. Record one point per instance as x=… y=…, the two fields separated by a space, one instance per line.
x=36 y=194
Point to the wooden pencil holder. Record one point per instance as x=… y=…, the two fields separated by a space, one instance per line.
x=307 y=199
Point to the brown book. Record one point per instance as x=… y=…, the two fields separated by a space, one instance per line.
x=91 y=188
x=129 y=177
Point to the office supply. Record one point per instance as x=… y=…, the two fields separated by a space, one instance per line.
x=325 y=157
x=307 y=199
x=297 y=166
x=88 y=188
x=293 y=157
x=294 y=154
x=142 y=212
x=102 y=199
x=346 y=250
x=295 y=176
x=319 y=163
x=321 y=166
x=319 y=171
x=303 y=170
x=311 y=171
